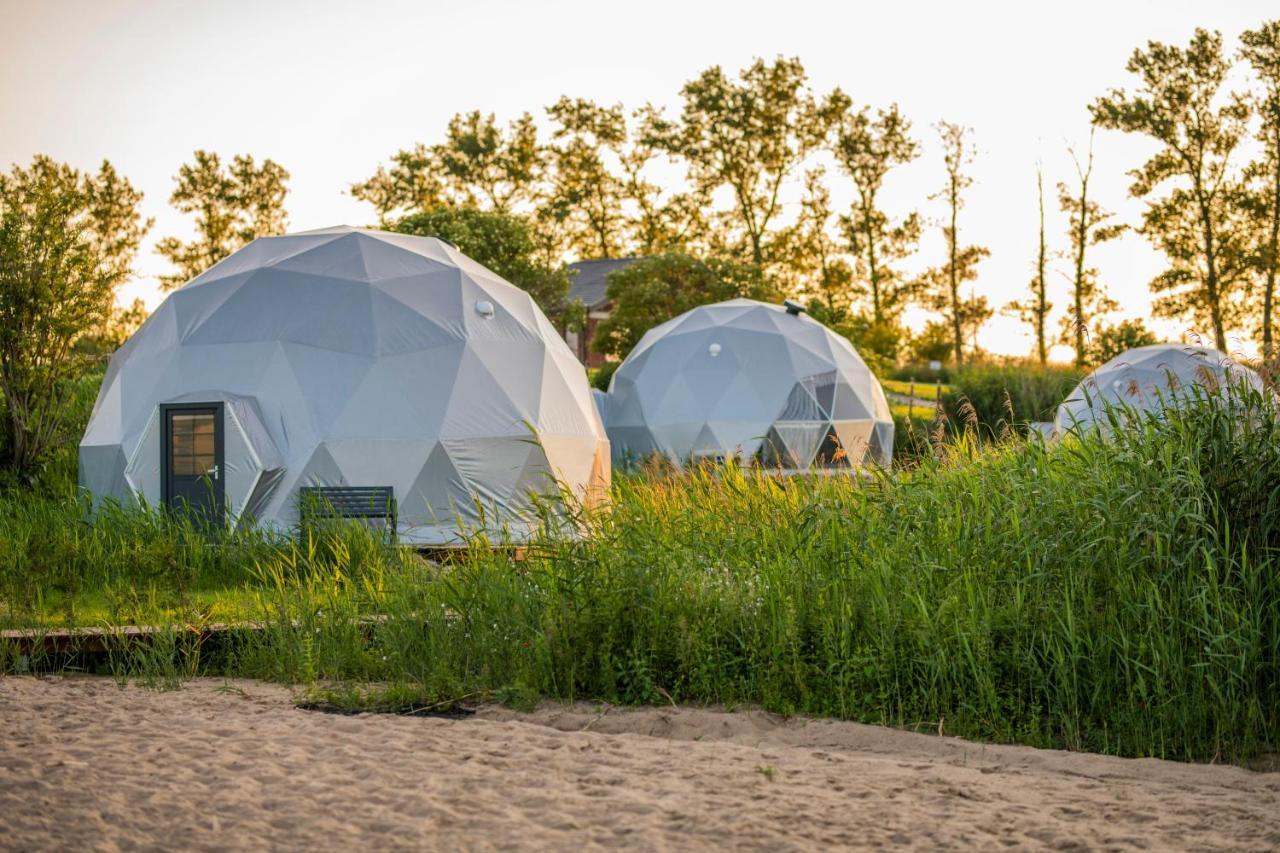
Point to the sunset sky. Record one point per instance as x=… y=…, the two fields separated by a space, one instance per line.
x=330 y=90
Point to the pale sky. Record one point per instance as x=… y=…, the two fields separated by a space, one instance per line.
x=330 y=90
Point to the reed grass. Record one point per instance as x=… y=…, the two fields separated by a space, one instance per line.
x=1004 y=397
x=1113 y=593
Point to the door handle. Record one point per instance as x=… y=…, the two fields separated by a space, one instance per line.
x=212 y=472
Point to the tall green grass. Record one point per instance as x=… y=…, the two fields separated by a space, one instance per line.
x=989 y=400
x=1110 y=594
x=55 y=562
x=1005 y=397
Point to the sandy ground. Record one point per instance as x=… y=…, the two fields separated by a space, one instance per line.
x=233 y=765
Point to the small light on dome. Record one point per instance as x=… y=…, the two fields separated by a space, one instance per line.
x=714 y=349
x=484 y=308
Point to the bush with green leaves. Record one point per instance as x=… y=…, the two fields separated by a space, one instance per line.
x=994 y=398
x=655 y=289
x=601 y=376
x=68 y=239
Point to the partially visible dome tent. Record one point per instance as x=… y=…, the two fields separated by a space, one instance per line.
x=340 y=359
x=1148 y=379
x=601 y=399
x=750 y=379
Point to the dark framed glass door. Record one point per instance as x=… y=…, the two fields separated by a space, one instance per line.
x=191 y=451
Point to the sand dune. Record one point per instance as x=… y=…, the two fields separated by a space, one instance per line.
x=233 y=765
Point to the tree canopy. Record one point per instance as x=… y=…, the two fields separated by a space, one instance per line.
x=943 y=286
x=749 y=135
x=1197 y=222
x=233 y=205
x=1261 y=49
x=504 y=243
x=655 y=289
x=68 y=239
x=762 y=152
x=1107 y=342
x=867 y=147
x=1089 y=225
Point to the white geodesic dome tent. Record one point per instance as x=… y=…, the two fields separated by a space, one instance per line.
x=1147 y=379
x=743 y=378
x=347 y=358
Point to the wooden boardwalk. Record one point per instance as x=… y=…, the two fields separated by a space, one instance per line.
x=106 y=639
x=62 y=641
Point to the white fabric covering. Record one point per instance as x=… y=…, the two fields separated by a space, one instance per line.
x=1148 y=379
x=358 y=358
x=750 y=379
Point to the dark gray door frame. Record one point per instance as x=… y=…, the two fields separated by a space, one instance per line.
x=219 y=454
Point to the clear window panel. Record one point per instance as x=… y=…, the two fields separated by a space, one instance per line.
x=191 y=444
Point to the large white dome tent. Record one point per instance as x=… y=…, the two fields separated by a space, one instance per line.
x=742 y=377
x=1148 y=379
x=347 y=358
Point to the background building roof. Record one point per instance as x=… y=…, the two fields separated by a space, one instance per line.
x=589 y=279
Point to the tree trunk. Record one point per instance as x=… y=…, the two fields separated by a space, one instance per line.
x=1211 y=273
x=1080 y=324
x=1273 y=253
x=956 y=329
x=1041 y=295
x=1082 y=235
x=873 y=273
x=873 y=270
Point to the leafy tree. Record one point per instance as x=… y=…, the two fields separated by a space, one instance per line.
x=232 y=206
x=942 y=285
x=116 y=327
x=599 y=194
x=504 y=243
x=486 y=166
x=1111 y=341
x=67 y=241
x=749 y=135
x=655 y=289
x=1262 y=50
x=933 y=343
x=867 y=148
x=814 y=254
x=1089 y=227
x=412 y=183
x=586 y=196
x=1035 y=309
x=663 y=220
x=1197 y=223
x=477 y=165
x=817 y=255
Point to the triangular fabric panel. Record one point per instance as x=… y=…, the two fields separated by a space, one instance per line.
x=855 y=438
x=801 y=405
x=802 y=440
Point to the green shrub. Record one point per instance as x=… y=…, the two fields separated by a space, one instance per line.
x=921 y=372
x=600 y=376
x=996 y=397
